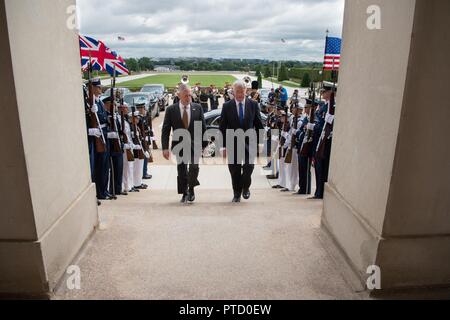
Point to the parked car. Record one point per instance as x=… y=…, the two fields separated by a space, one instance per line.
x=151 y=102
x=212 y=119
x=123 y=91
x=160 y=92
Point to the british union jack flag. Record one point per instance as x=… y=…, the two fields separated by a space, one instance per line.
x=101 y=57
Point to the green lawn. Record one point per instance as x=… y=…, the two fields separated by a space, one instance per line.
x=172 y=80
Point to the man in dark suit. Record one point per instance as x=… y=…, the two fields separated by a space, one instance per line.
x=182 y=118
x=241 y=113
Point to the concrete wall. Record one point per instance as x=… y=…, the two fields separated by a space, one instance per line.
x=54 y=211
x=381 y=185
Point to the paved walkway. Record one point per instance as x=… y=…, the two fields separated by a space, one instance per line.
x=152 y=247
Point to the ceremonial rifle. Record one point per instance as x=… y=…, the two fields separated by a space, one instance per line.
x=100 y=142
x=305 y=150
x=130 y=156
x=138 y=154
x=116 y=143
x=288 y=158
x=327 y=129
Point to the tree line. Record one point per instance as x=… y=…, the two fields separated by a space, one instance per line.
x=297 y=71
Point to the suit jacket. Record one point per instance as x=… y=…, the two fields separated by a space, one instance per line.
x=230 y=119
x=173 y=121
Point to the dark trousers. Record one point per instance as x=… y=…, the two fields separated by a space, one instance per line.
x=187 y=177
x=241 y=177
x=304 y=169
x=320 y=178
x=145 y=172
x=91 y=146
x=101 y=173
x=116 y=173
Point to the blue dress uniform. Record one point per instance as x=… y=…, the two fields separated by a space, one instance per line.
x=304 y=166
x=320 y=164
x=115 y=161
x=91 y=139
x=102 y=159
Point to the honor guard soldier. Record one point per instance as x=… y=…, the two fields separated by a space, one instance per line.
x=128 y=147
x=292 y=171
x=139 y=145
x=324 y=137
x=305 y=158
x=101 y=166
x=282 y=148
x=115 y=172
x=146 y=132
x=204 y=97
x=270 y=123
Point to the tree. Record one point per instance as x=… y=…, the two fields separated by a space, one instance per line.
x=283 y=75
x=145 y=63
x=267 y=71
x=306 y=81
x=260 y=82
x=132 y=64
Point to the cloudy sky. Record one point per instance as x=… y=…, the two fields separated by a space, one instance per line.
x=217 y=29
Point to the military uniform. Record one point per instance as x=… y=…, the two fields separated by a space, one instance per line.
x=115 y=171
x=322 y=162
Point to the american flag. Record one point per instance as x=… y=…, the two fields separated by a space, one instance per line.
x=101 y=57
x=332 y=58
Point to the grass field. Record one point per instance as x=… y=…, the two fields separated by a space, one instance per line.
x=172 y=80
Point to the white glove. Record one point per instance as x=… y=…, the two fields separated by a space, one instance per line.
x=285 y=135
x=113 y=135
x=147 y=155
x=329 y=118
x=94 y=108
x=95 y=132
x=310 y=126
x=127 y=146
x=266 y=129
x=137 y=147
x=147 y=139
x=136 y=113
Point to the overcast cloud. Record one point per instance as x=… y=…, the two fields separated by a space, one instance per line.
x=217 y=29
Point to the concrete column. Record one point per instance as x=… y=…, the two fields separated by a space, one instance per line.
x=48 y=206
x=387 y=201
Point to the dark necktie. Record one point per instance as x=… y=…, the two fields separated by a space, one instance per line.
x=241 y=114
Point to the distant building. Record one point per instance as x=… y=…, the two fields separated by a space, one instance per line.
x=166 y=68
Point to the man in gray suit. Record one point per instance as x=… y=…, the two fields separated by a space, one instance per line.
x=182 y=118
x=241 y=113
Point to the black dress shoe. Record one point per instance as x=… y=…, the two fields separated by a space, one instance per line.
x=246 y=194
x=272 y=177
x=124 y=193
x=315 y=198
x=277 y=187
x=284 y=190
x=236 y=200
x=134 y=190
x=147 y=177
x=142 y=187
x=105 y=198
x=191 y=196
x=99 y=203
x=184 y=199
